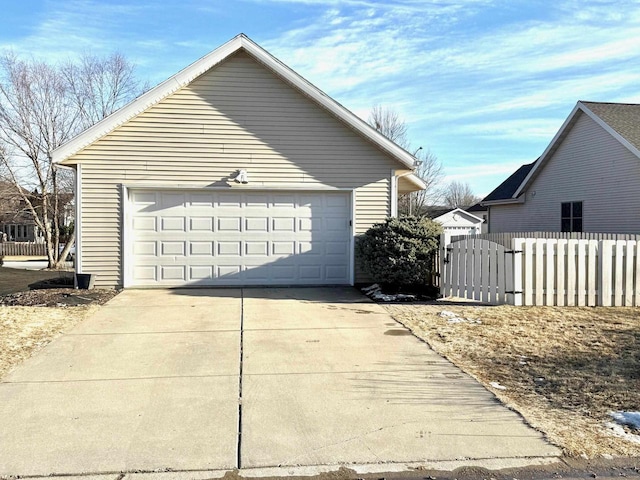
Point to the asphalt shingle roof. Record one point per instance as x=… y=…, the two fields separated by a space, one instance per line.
x=506 y=189
x=624 y=118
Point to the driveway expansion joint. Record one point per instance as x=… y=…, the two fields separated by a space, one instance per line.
x=239 y=446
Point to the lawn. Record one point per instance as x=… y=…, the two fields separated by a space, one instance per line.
x=15 y=280
x=563 y=369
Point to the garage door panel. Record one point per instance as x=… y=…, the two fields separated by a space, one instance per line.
x=229 y=224
x=252 y=249
x=256 y=224
x=144 y=224
x=238 y=238
x=201 y=224
x=229 y=248
x=201 y=248
x=173 y=248
x=173 y=273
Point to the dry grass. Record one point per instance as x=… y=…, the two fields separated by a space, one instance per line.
x=564 y=368
x=25 y=330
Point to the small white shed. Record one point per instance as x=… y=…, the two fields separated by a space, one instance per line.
x=459 y=222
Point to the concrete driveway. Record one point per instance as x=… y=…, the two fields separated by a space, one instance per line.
x=224 y=378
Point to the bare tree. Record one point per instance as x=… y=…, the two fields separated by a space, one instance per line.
x=101 y=85
x=41 y=107
x=430 y=171
x=388 y=122
x=459 y=195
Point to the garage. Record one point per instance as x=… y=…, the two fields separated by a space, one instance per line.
x=159 y=204
x=200 y=237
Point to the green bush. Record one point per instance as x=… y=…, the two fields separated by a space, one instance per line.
x=399 y=253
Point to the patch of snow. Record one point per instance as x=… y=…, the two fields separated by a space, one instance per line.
x=630 y=419
x=454 y=318
x=375 y=293
x=619 y=431
x=497 y=386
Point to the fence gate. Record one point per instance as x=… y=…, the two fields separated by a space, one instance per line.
x=477 y=269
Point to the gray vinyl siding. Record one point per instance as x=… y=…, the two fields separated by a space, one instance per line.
x=237 y=115
x=591 y=166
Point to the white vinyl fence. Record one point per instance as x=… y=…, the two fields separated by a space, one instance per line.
x=543 y=271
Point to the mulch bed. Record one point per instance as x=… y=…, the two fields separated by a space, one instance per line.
x=57 y=297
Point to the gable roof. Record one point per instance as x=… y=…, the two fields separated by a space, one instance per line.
x=506 y=190
x=461 y=212
x=620 y=120
x=190 y=73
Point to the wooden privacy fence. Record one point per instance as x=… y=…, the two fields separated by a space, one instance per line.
x=23 y=249
x=543 y=271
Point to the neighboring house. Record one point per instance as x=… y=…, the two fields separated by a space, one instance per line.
x=235 y=171
x=16 y=222
x=16 y=219
x=482 y=212
x=459 y=222
x=586 y=180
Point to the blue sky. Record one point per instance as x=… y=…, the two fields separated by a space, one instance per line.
x=483 y=84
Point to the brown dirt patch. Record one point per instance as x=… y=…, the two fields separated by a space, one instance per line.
x=564 y=369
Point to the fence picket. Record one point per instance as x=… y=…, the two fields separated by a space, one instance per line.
x=592 y=281
x=477 y=270
x=550 y=276
x=487 y=265
x=469 y=267
x=571 y=272
x=527 y=286
x=457 y=272
x=628 y=273
x=606 y=265
x=539 y=273
x=618 y=289
x=582 y=273
x=561 y=279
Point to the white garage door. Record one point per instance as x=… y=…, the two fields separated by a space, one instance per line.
x=239 y=238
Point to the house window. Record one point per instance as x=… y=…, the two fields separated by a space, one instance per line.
x=571 y=216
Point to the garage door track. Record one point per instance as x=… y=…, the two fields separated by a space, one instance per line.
x=241 y=378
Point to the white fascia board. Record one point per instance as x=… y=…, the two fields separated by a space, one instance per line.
x=187 y=75
x=505 y=201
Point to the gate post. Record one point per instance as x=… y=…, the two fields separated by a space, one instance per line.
x=517 y=245
x=443 y=263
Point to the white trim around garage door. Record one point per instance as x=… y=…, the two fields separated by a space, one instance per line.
x=129 y=259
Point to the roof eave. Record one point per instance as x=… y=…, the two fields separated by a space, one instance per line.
x=502 y=201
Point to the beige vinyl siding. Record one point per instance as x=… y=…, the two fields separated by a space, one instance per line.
x=237 y=115
x=591 y=166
